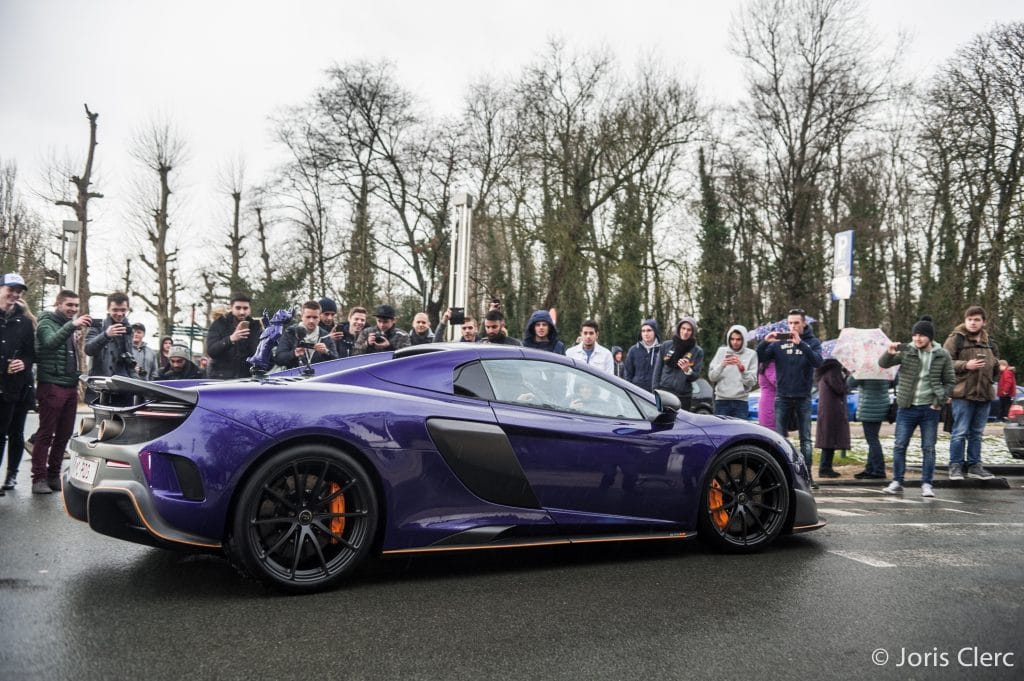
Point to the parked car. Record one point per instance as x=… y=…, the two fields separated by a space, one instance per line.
x=993 y=409
x=440 y=447
x=703 y=397
x=851 y=404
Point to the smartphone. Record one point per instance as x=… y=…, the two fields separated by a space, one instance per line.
x=244 y=324
x=458 y=315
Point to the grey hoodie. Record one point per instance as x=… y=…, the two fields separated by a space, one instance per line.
x=730 y=383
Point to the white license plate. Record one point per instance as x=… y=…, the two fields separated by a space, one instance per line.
x=84 y=470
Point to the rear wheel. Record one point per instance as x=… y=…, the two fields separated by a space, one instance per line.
x=745 y=500
x=305 y=519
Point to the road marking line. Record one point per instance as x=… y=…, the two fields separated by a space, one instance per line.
x=941 y=524
x=957 y=510
x=861 y=558
x=836 y=511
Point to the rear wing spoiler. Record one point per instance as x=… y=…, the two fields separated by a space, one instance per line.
x=144 y=389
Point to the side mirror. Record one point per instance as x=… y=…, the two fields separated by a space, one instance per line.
x=668 y=405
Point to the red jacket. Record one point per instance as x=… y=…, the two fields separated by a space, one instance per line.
x=1007 y=384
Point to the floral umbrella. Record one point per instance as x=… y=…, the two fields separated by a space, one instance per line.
x=859 y=349
x=760 y=332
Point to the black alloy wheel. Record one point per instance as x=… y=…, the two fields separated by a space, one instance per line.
x=744 y=501
x=305 y=519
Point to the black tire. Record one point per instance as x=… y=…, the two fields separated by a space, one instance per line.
x=305 y=519
x=744 y=501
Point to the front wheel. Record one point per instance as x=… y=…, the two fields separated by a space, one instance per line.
x=744 y=501
x=305 y=519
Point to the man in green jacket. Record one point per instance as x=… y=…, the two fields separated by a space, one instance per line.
x=925 y=382
x=57 y=372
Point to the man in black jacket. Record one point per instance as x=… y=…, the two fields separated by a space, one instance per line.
x=306 y=337
x=231 y=339
x=17 y=353
x=109 y=341
x=384 y=337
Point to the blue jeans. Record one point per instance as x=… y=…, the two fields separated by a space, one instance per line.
x=736 y=408
x=802 y=406
x=875 y=464
x=969 y=417
x=906 y=420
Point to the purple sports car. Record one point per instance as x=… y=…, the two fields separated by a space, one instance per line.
x=441 y=447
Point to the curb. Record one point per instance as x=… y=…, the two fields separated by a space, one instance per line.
x=994 y=483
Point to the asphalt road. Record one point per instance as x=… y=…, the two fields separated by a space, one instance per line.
x=938 y=585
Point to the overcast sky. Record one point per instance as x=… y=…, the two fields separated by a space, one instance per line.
x=219 y=68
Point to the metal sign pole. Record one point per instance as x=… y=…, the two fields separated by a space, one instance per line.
x=458 y=277
x=71 y=230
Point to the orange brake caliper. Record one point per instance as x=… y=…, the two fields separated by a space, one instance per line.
x=715 y=503
x=337 y=506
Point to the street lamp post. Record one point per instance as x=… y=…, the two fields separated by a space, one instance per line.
x=72 y=228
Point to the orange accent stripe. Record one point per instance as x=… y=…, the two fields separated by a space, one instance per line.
x=808 y=528
x=152 y=530
x=552 y=542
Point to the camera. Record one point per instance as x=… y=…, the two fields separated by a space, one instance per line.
x=458 y=315
x=127 y=359
x=378 y=337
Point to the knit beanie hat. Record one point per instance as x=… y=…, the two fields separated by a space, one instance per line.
x=924 y=327
x=328 y=305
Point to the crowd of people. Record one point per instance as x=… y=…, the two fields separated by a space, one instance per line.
x=955 y=377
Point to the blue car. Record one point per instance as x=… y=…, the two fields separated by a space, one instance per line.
x=851 y=405
x=299 y=479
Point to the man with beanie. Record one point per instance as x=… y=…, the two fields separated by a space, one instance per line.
x=975 y=360
x=180 y=365
x=924 y=384
x=638 y=368
x=328 y=312
x=733 y=370
x=679 y=363
x=796 y=353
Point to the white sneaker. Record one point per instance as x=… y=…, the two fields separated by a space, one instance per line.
x=926 y=490
x=894 y=488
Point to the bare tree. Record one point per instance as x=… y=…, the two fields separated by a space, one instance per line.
x=23 y=237
x=812 y=81
x=232 y=182
x=79 y=203
x=159 y=148
x=972 y=147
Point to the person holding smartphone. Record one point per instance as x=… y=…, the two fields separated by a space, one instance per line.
x=733 y=370
x=975 y=360
x=108 y=341
x=232 y=338
x=796 y=353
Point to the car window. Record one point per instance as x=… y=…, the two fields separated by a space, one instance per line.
x=471 y=381
x=555 y=386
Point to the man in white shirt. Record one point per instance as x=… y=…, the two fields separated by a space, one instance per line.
x=589 y=351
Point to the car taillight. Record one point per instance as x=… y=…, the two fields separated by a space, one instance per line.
x=146 y=461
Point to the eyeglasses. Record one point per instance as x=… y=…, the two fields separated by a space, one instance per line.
x=796 y=310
